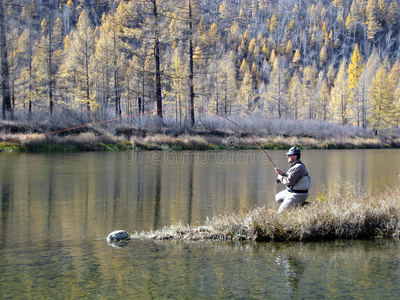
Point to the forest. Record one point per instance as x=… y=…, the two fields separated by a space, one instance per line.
x=335 y=61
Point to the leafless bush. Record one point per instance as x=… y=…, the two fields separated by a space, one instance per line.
x=261 y=126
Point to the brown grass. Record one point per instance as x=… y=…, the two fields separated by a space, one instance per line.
x=161 y=141
x=349 y=214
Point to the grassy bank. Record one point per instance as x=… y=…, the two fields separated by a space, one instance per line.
x=86 y=141
x=209 y=135
x=89 y=141
x=349 y=214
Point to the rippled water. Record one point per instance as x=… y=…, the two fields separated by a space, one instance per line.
x=89 y=268
x=57 y=209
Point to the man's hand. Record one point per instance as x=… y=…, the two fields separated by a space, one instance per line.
x=278 y=171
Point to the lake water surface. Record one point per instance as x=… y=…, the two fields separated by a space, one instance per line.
x=57 y=209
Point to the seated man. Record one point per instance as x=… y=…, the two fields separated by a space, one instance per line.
x=296 y=179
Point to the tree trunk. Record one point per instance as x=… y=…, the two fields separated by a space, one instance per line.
x=5 y=71
x=158 y=68
x=191 y=70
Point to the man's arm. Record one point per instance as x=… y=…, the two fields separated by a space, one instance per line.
x=292 y=175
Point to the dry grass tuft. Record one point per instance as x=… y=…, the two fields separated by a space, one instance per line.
x=349 y=214
x=162 y=141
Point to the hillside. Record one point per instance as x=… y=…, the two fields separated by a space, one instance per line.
x=333 y=61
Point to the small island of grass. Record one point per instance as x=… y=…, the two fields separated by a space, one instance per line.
x=351 y=213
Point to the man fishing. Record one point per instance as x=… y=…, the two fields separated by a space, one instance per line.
x=296 y=179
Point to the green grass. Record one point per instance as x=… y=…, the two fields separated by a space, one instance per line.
x=349 y=214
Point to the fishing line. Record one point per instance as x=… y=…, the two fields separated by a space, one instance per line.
x=155 y=111
x=145 y=113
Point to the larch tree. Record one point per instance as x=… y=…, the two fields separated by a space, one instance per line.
x=194 y=50
x=243 y=69
x=355 y=70
x=394 y=78
x=340 y=95
x=108 y=68
x=246 y=91
x=364 y=84
x=394 y=16
x=15 y=62
x=178 y=90
x=373 y=21
x=66 y=78
x=294 y=97
x=193 y=36
x=296 y=58
x=227 y=84
x=289 y=50
x=322 y=106
x=144 y=24
x=26 y=45
x=79 y=61
x=47 y=59
x=382 y=106
x=225 y=14
x=331 y=75
x=277 y=87
x=309 y=86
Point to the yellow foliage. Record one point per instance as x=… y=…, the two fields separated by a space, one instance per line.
x=296 y=58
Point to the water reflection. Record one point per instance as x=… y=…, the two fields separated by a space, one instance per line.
x=77 y=193
x=57 y=209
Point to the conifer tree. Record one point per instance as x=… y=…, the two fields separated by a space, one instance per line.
x=355 y=70
x=224 y=13
x=308 y=91
x=368 y=74
x=323 y=56
x=235 y=31
x=276 y=89
x=394 y=16
x=227 y=84
x=26 y=48
x=178 y=90
x=107 y=59
x=144 y=24
x=340 y=95
x=246 y=92
x=294 y=96
x=243 y=68
x=289 y=51
x=382 y=106
x=296 y=58
x=47 y=60
x=373 y=22
x=79 y=61
x=394 y=78
x=322 y=108
x=331 y=75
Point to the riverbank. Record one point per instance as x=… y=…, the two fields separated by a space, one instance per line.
x=89 y=141
x=267 y=134
x=349 y=214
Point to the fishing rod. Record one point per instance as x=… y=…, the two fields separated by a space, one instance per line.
x=150 y=112
x=277 y=183
x=244 y=131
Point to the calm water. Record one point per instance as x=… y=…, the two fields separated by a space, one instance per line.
x=57 y=209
